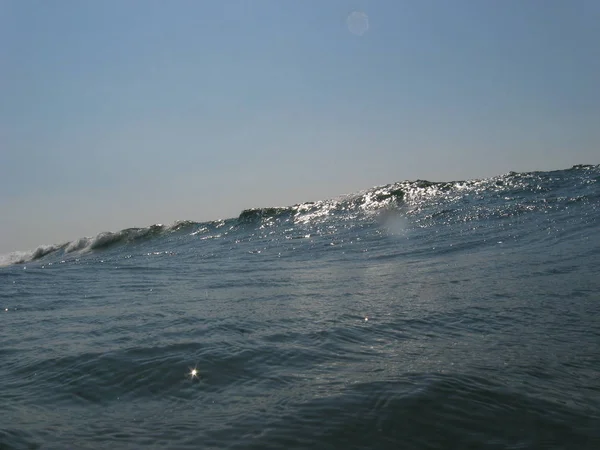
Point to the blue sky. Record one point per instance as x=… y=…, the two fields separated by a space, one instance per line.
x=116 y=114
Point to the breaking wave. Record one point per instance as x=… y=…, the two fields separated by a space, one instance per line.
x=409 y=197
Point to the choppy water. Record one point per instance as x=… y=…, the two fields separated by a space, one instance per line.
x=417 y=315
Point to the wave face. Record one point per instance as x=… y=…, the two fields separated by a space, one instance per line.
x=417 y=315
x=429 y=202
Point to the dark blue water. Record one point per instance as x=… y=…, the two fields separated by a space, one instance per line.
x=417 y=315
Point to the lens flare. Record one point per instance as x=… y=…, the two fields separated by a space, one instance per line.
x=358 y=23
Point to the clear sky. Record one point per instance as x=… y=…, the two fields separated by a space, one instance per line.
x=123 y=113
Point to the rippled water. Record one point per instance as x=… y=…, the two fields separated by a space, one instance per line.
x=416 y=315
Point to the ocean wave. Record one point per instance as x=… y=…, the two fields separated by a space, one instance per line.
x=20 y=257
x=412 y=196
x=255 y=215
x=101 y=241
x=436 y=200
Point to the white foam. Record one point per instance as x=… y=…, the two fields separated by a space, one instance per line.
x=78 y=244
x=20 y=257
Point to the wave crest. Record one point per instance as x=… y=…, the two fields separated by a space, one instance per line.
x=21 y=257
x=511 y=192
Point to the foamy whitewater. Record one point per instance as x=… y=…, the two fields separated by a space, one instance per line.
x=415 y=315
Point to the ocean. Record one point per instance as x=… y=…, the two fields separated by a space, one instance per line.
x=415 y=315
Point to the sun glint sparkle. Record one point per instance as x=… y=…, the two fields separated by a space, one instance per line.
x=193 y=373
